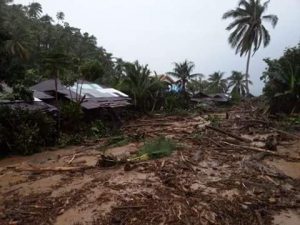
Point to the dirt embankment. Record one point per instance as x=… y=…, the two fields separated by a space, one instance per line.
x=213 y=178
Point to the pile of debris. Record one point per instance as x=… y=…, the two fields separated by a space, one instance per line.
x=227 y=170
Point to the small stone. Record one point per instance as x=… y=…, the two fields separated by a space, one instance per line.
x=272 y=200
x=244 y=206
x=61 y=211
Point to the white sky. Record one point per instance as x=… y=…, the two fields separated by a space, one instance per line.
x=160 y=32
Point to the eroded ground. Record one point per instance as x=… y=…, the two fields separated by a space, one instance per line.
x=211 y=179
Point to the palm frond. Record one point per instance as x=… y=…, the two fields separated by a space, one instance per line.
x=271 y=18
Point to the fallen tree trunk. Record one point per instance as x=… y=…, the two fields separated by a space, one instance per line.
x=229 y=134
x=53 y=169
x=259 y=150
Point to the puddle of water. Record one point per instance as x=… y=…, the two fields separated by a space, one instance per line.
x=290 y=217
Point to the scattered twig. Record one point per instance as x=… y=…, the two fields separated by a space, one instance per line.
x=258 y=216
x=229 y=134
x=259 y=150
x=129 y=207
x=286 y=133
x=71 y=160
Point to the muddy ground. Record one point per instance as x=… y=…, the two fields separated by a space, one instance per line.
x=213 y=178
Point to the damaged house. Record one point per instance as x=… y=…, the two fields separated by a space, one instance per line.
x=96 y=100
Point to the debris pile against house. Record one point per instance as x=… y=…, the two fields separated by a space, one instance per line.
x=201 y=97
x=36 y=104
x=90 y=95
x=231 y=167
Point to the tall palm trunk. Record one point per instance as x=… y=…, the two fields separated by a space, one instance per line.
x=183 y=85
x=247 y=71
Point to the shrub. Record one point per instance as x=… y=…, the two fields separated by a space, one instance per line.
x=98 y=129
x=158 y=148
x=176 y=101
x=282 y=82
x=72 y=117
x=24 y=132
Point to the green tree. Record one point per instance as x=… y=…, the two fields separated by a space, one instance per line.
x=34 y=10
x=140 y=86
x=197 y=85
x=56 y=63
x=60 y=16
x=92 y=70
x=282 y=79
x=184 y=72
x=217 y=84
x=249 y=31
x=237 y=81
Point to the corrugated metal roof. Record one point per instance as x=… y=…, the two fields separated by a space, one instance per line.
x=95 y=95
x=41 y=95
x=47 y=85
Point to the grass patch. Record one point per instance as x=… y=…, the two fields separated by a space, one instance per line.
x=157 y=148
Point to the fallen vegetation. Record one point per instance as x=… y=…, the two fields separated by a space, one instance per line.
x=230 y=172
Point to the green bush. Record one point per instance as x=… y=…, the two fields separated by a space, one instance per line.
x=158 y=148
x=72 y=117
x=176 y=101
x=24 y=132
x=98 y=129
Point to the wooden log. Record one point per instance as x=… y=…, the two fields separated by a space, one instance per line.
x=229 y=134
x=287 y=133
x=53 y=169
x=259 y=150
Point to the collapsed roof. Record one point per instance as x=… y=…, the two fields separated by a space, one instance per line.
x=31 y=106
x=219 y=97
x=92 y=95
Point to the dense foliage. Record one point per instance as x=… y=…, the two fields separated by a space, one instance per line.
x=24 y=132
x=282 y=79
x=31 y=43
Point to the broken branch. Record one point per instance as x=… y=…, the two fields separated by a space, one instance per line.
x=229 y=134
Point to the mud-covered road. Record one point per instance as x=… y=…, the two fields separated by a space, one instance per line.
x=212 y=178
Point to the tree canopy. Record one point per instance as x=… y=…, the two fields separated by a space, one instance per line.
x=28 y=37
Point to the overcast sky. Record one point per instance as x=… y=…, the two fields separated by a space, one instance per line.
x=160 y=32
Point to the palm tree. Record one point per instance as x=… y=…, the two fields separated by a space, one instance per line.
x=197 y=85
x=34 y=10
x=60 y=16
x=139 y=85
x=217 y=83
x=238 y=83
x=248 y=29
x=184 y=72
x=17 y=44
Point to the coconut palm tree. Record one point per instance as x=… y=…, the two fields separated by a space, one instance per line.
x=217 y=83
x=34 y=10
x=248 y=30
x=184 y=72
x=60 y=16
x=238 y=83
